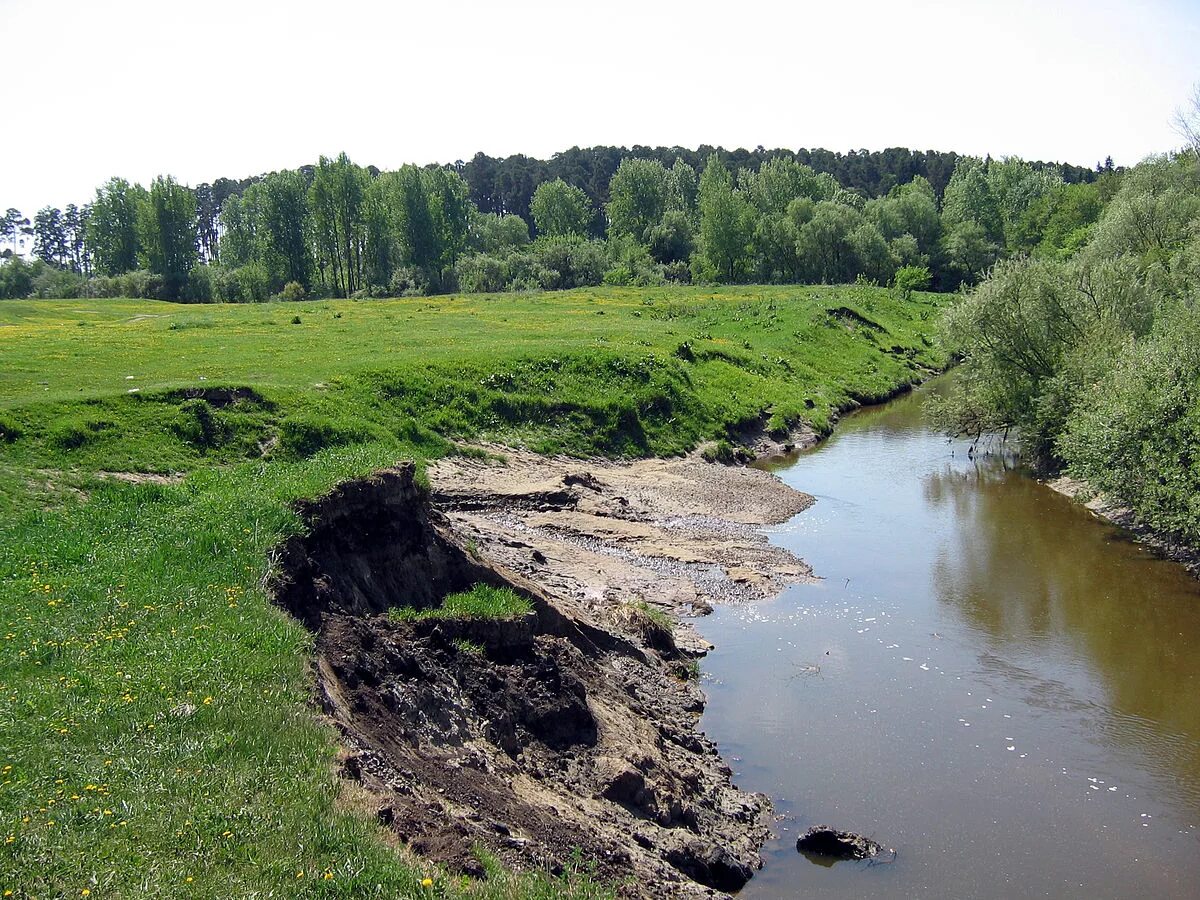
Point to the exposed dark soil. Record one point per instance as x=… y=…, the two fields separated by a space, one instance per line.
x=558 y=733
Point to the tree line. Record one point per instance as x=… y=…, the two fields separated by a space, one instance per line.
x=608 y=215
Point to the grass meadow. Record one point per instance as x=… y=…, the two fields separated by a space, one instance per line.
x=156 y=732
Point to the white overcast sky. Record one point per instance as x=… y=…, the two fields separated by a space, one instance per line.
x=136 y=88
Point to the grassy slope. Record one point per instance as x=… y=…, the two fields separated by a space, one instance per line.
x=155 y=732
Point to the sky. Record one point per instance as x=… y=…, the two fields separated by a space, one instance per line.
x=232 y=88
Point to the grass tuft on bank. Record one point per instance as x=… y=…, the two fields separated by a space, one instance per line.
x=156 y=732
x=480 y=602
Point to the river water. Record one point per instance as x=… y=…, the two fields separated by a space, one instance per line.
x=988 y=679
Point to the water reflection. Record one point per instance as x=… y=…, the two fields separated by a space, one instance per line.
x=1007 y=688
x=1023 y=566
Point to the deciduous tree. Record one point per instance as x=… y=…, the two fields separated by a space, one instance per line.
x=560 y=210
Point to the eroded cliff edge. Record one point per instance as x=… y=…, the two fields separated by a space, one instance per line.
x=569 y=731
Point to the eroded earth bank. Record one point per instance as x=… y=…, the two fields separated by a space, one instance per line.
x=571 y=731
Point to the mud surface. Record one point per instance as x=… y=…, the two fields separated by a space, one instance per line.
x=675 y=534
x=567 y=732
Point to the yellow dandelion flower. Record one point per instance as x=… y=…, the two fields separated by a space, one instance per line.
x=427 y=882
x=85 y=893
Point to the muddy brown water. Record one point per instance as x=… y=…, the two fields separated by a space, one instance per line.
x=989 y=679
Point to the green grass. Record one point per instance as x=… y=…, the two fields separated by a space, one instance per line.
x=480 y=602
x=156 y=732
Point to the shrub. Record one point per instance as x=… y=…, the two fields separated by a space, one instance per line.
x=911 y=278
x=140 y=285
x=678 y=272
x=407 y=281
x=52 y=283
x=102 y=286
x=226 y=287
x=254 y=284
x=293 y=290
x=16 y=278
x=1136 y=433
x=200 y=287
x=482 y=273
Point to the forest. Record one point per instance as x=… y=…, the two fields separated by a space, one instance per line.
x=603 y=215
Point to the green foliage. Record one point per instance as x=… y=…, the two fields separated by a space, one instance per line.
x=672 y=240
x=167 y=233
x=1026 y=332
x=630 y=263
x=968 y=250
x=1135 y=432
x=339 y=229
x=1094 y=359
x=560 y=210
x=335 y=203
x=284 y=228
x=480 y=273
x=1061 y=221
x=112 y=231
x=480 y=602
x=638 y=197
x=1152 y=217
x=971 y=200
x=201 y=286
x=491 y=233
x=16 y=277
x=251 y=283
x=52 y=283
x=911 y=278
x=726 y=225
x=292 y=291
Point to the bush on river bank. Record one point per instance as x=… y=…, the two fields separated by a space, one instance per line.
x=1096 y=359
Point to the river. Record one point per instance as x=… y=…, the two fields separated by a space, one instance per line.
x=988 y=679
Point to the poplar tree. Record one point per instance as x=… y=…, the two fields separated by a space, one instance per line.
x=167 y=227
x=726 y=223
x=111 y=235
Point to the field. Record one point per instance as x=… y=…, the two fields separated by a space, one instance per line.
x=156 y=735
